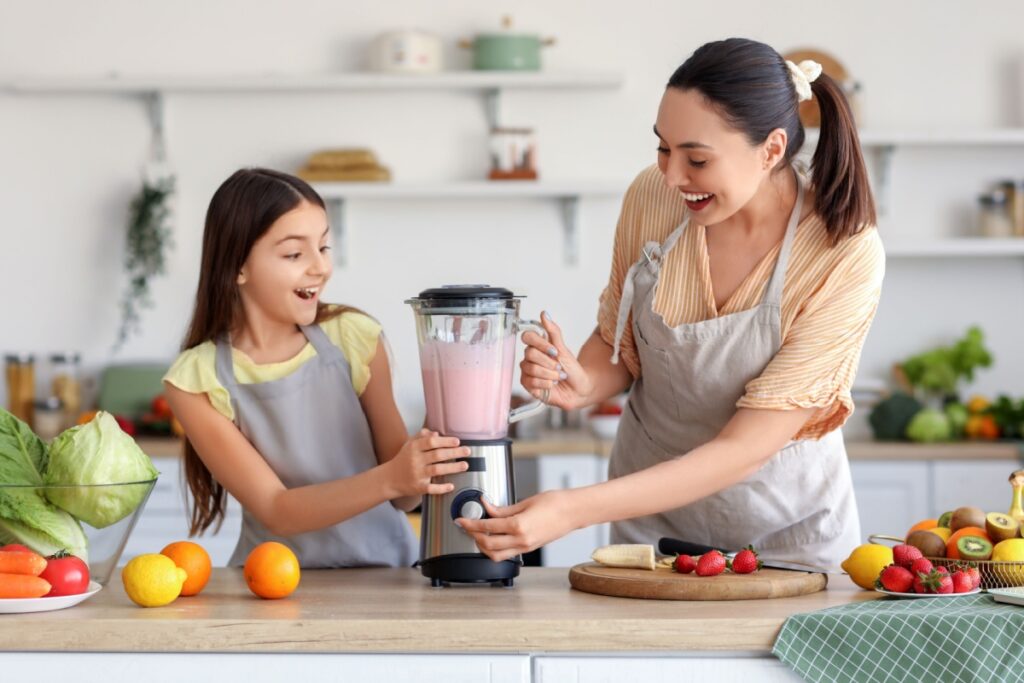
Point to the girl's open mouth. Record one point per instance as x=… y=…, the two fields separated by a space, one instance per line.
x=307 y=293
x=697 y=202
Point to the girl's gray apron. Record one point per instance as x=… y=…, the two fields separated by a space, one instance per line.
x=799 y=506
x=310 y=428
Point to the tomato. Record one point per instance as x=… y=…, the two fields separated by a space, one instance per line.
x=67 y=574
x=160 y=407
x=15 y=547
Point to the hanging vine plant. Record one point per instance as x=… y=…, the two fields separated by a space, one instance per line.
x=147 y=243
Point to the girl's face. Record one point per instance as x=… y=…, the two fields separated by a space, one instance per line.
x=713 y=165
x=288 y=266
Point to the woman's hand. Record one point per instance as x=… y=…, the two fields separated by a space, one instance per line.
x=423 y=457
x=549 y=364
x=520 y=528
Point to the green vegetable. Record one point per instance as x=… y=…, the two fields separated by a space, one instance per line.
x=97 y=452
x=940 y=369
x=25 y=515
x=889 y=418
x=928 y=426
x=1009 y=415
x=957 y=415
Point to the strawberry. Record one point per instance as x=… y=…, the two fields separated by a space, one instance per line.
x=962 y=582
x=942 y=570
x=904 y=555
x=921 y=584
x=745 y=561
x=684 y=564
x=711 y=563
x=945 y=582
x=921 y=564
x=975 y=575
x=895 y=579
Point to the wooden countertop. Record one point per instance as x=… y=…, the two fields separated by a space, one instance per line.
x=582 y=442
x=395 y=610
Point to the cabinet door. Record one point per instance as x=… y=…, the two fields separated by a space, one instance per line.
x=981 y=484
x=891 y=496
x=564 y=472
x=697 y=667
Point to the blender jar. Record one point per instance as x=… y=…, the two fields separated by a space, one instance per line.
x=467 y=340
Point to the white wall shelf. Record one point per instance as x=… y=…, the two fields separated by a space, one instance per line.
x=567 y=193
x=964 y=247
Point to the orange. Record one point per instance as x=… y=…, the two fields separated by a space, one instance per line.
x=194 y=559
x=924 y=524
x=951 y=551
x=272 y=570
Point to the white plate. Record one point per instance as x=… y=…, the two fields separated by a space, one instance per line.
x=1013 y=596
x=22 y=605
x=927 y=595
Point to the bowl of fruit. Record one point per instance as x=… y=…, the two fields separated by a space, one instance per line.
x=603 y=420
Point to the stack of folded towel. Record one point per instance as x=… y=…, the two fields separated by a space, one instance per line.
x=344 y=165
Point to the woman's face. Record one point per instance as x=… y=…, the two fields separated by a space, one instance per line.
x=288 y=266
x=713 y=165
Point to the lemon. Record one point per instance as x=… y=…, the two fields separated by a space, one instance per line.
x=152 y=580
x=942 y=532
x=866 y=562
x=1010 y=550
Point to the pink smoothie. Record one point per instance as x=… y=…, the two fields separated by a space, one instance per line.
x=468 y=387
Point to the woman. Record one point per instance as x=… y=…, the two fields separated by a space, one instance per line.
x=739 y=299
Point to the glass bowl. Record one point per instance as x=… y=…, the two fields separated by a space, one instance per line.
x=115 y=519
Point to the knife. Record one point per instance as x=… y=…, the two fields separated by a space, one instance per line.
x=672 y=546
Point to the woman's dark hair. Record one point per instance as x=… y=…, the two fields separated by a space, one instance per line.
x=242 y=209
x=750 y=85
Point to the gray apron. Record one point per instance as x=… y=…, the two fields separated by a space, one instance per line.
x=310 y=428
x=799 y=506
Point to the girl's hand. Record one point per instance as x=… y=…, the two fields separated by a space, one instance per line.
x=520 y=528
x=549 y=364
x=423 y=457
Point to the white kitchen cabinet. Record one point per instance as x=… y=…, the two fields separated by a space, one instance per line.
x=982 y=484
x=165 y=519
x=891 y=496
x=725 y=668
x=43 y=667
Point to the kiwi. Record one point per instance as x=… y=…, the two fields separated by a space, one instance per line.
x=966 y=516
x=944 y=519
x=973 y=548
x=1000 y=526
x=930 y=545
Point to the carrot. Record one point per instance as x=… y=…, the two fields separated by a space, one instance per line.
x=23 y=586
x=21 y=562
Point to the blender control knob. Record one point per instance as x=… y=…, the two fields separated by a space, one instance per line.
x=472 y=509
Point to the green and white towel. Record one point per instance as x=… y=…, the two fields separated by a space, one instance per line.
x=940 y=640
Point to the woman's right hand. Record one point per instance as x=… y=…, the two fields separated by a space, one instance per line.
x=549 y=364
x=423 y=457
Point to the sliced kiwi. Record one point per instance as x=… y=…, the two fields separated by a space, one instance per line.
x=1000 y=526
x=973 y=548
x=965 y=517
x=930 y=545
x=944 y=519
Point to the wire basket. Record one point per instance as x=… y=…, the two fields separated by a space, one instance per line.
x=993 y=574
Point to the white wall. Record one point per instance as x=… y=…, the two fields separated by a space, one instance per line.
x=69 y=164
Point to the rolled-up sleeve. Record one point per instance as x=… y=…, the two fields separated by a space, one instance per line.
x=816 y=364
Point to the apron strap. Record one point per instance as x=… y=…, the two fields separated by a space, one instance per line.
x=652 y=253
x=773 y=293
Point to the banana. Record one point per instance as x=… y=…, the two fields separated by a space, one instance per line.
x=637 y=556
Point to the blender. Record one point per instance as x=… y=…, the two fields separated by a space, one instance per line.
x=467 y=344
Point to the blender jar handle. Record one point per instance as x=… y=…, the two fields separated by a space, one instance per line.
x=522 y=412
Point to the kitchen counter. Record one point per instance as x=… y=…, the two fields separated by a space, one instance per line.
x=395 y=610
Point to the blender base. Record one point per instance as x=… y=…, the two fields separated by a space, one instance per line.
x=472 y=568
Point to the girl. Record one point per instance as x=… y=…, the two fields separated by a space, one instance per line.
x=286 y=401
x=739 y=299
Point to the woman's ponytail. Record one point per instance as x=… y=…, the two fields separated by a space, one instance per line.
x=842 y=194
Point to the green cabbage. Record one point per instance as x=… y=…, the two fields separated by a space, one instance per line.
x=97 y=452
x=25 y=515
x=929 y=425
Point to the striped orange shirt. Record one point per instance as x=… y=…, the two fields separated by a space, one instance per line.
x=829 y=299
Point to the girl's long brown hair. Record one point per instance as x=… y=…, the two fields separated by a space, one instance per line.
x=242 y=209
x=750 y=84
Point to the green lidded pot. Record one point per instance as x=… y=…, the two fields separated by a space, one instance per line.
x=506 y=51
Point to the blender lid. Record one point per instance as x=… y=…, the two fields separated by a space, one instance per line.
x=464 y=292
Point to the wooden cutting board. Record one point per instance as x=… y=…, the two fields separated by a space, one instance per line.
x=665 y=584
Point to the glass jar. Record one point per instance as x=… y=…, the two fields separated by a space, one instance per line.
x=21 y=385
x=1014 y=192
x=48 y=418
x=67 y=385
x=994 y=220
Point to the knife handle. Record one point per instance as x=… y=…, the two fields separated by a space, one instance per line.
x=672 y=546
